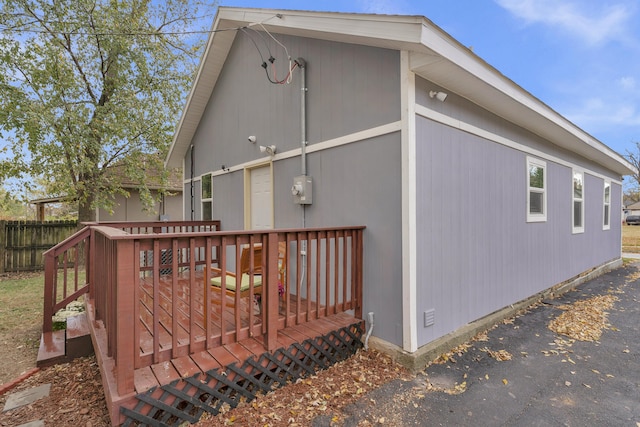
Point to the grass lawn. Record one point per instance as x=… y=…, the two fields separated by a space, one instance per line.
x=21 y=307
x=21 y=297
x=20 y=300
x=631 y=238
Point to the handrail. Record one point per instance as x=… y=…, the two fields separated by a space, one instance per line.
x=51 y=302
x=69 y=242
x=159 y=226
x=119 y=236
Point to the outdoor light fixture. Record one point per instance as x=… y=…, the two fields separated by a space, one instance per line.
x=269 y=149
x=252 y=139
x=440 y=96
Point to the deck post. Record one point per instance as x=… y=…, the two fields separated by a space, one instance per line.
x=90 y=262
x=123 y=311
x=359 y=244
x=49 y=294
x=273 y=302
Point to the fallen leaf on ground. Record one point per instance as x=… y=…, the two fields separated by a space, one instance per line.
x=500 y=355
x=584 y=320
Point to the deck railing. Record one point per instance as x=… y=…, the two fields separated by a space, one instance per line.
x=66 y=268
x=154 y=292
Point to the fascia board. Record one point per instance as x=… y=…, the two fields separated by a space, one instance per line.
x=368 y=27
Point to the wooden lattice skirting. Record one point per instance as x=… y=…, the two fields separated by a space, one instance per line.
x=188 y=398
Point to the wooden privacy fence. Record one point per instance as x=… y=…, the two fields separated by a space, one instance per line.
x=22 y=243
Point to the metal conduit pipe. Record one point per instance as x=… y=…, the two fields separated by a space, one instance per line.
x=302 y=64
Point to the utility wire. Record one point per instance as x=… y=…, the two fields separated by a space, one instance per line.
x=250 y=27
x=128 y=34
x=286 y=80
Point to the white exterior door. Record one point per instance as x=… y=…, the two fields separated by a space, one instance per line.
x=261 y=198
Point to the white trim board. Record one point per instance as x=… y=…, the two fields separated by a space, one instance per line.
x=396 y=127
x=324 y=145
x=409 y=207
x=490 y=136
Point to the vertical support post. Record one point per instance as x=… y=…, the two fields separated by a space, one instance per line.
x=359 y=248
x=155 y=328
x=90 y=247
x=409 y=167
x=207 y=291
x=124 y=301
x=49 y=297
x=272 y=292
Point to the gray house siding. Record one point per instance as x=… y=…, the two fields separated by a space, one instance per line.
x=358 y=184
x=351 y=190
x=131 y=208
x=350 y=88
x=476 y=252
x=228 y=202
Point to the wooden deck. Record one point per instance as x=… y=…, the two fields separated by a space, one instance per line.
x=152 y=379
x=171 y=345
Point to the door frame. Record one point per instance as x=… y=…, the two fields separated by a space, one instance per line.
x=247 y=192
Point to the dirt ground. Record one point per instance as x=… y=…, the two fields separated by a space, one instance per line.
x=325 y=394
x=76 y=397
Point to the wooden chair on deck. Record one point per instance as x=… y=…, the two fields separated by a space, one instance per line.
x=231 y=279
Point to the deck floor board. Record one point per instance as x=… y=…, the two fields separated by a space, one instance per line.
x=180 y=363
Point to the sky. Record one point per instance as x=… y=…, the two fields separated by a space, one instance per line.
x=580 y=57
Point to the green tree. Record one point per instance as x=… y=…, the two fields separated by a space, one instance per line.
x=86 y=84
x=10 y=206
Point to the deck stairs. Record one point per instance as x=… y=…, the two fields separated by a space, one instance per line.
x=66 y=344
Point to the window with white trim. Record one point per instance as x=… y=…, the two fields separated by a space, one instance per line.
x=578 y=201
x=537 y=190
x=606 y=206
x=207 y=197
